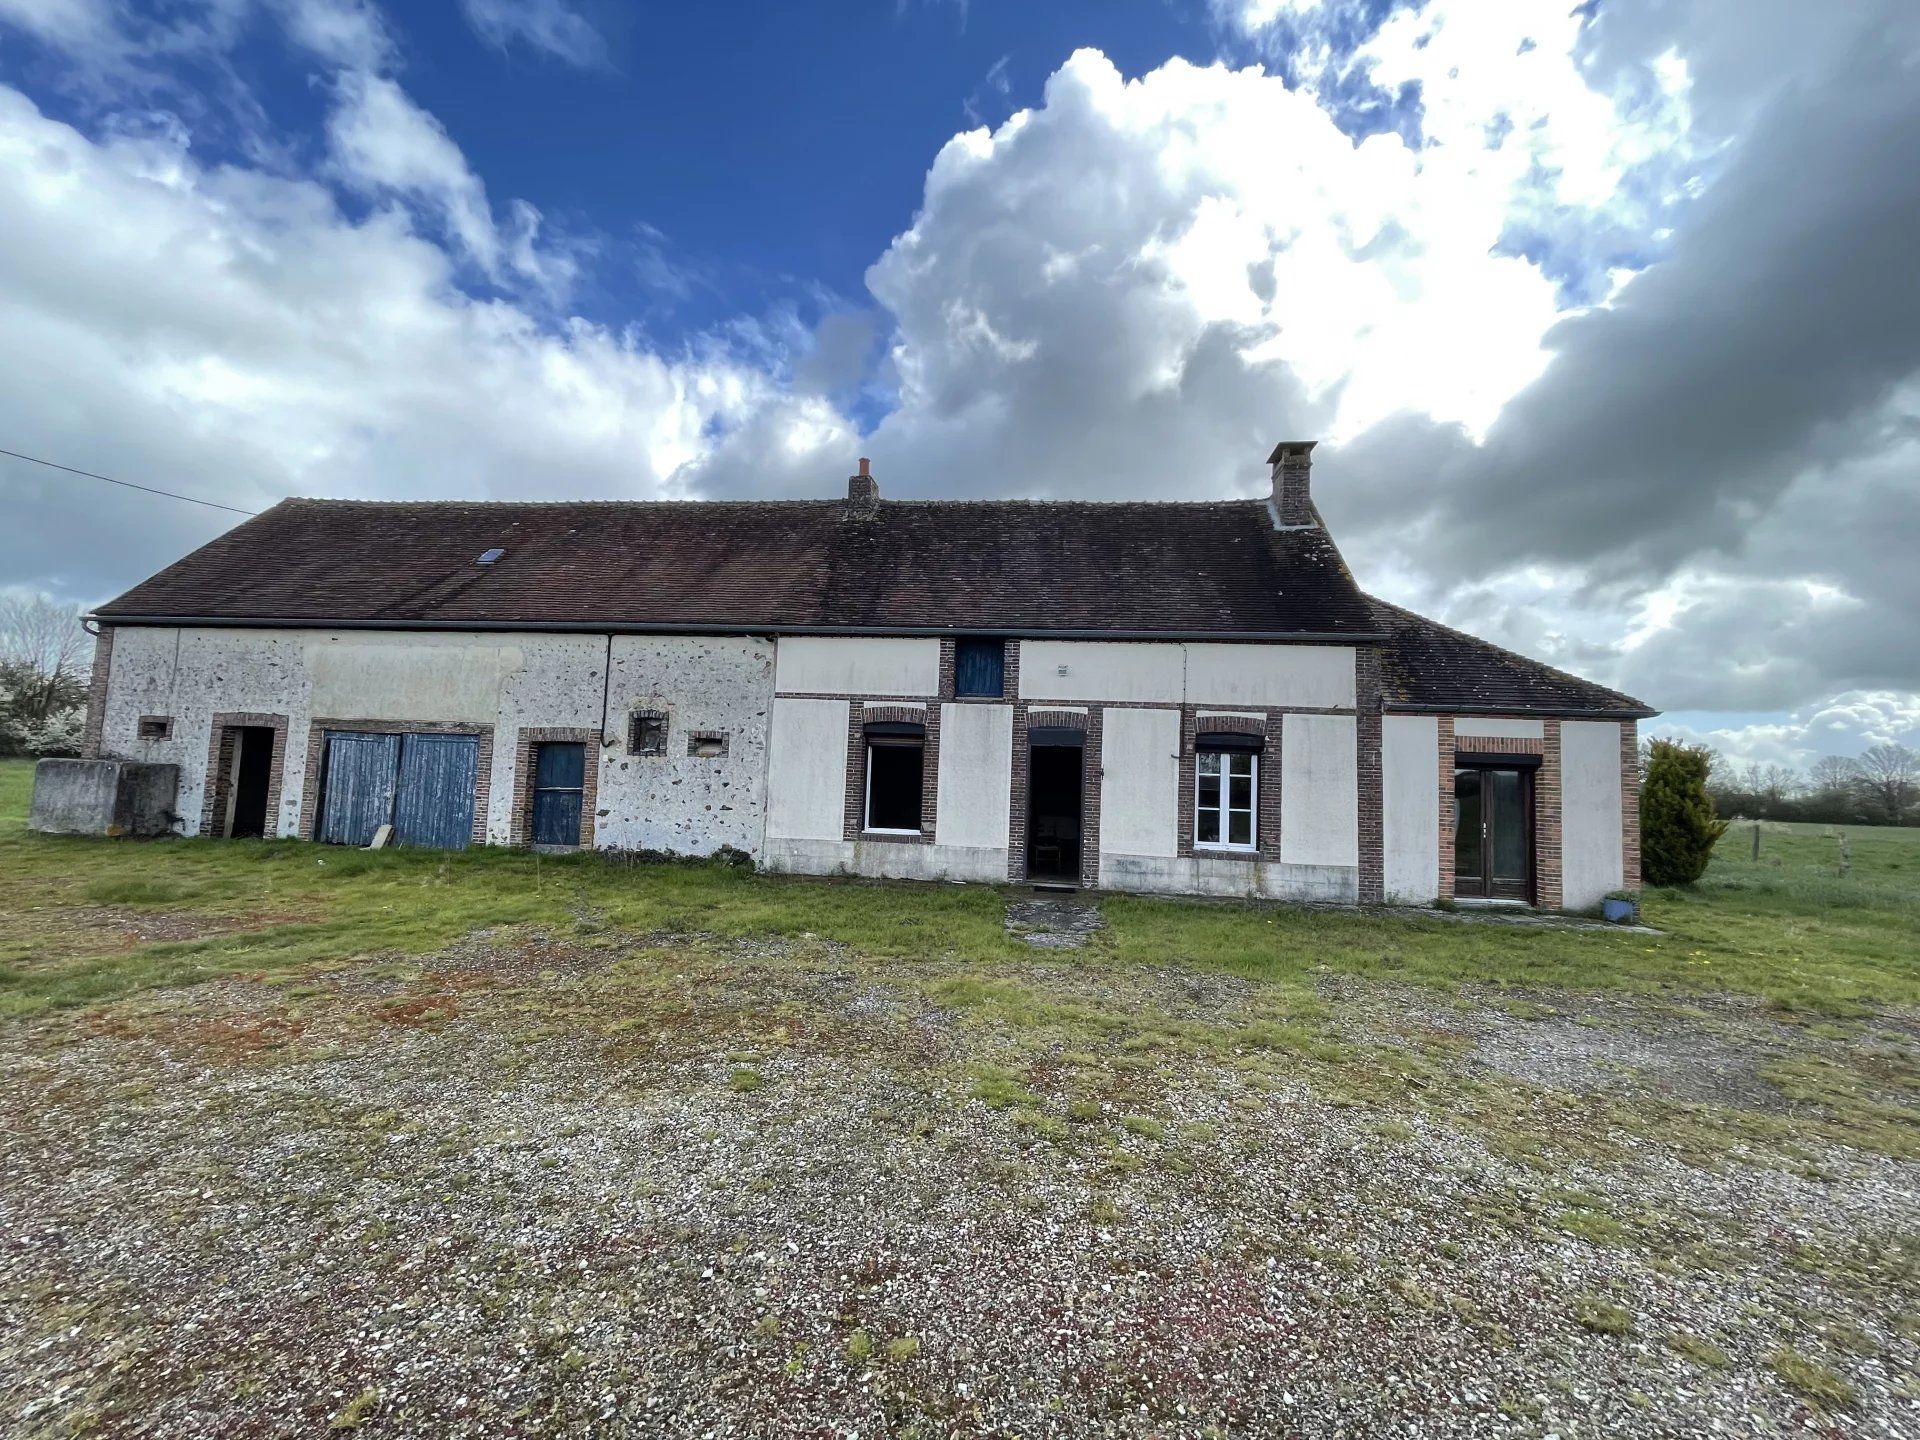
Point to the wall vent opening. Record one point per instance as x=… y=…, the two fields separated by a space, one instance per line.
x=647 y=734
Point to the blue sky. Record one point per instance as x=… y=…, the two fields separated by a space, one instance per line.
x=1502 y=257
x=724 y=159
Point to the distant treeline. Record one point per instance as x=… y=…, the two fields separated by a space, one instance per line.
x=1880 y=787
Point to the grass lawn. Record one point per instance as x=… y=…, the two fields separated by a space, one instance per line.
x=1787 y=929
x=297 y=1139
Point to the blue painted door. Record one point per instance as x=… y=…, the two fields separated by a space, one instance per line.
x=559 y=783
x=358 y=799
x=433 y=801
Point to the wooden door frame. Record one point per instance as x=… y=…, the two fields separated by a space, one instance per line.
x=1529 y=792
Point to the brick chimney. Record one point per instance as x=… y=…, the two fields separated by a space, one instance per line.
x=863 y=491
x=1292 y=462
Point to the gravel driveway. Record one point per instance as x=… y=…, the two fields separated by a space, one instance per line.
x=568 y=1186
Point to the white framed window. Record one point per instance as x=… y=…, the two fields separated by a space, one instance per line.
x=895 y=772
x=1226 y=783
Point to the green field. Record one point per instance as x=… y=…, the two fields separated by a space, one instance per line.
x=1789 y=928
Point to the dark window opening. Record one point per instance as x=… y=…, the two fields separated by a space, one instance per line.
x=648 y=735
x=1053 y=812
x=980 y=668
x=559 y=790
x=247 y=792
x=156 y=727
x=896 y=769
x=707 y=744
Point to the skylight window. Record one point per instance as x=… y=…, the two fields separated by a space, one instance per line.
x=487 y=557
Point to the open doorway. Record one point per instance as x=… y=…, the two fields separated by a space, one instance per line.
x=1053 y=807
x=247 y=790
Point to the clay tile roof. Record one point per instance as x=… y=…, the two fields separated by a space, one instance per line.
x=1428 y=666
x=1171 y=568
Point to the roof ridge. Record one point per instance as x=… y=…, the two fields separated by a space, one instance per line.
x=925 y=503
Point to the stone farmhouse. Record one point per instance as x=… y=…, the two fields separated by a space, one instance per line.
x=1177 y=697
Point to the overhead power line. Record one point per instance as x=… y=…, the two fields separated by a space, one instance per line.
x=128 y=484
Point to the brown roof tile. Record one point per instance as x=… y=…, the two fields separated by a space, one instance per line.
x=1430 y=666
x=1215 y=567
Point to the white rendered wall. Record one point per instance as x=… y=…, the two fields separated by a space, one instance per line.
x=394 y=675
x=1319 y=791
x=1246 y=879
x=887 y=860
x=1590 y=838
x=1410 y=806
x=1101 y=670
x=506 y=681
x=1308 y=677
x=1465 y=727
x=1140 y=782
x=1302 y=677
x=976 y=773
x=858 y=665
x=807 y=770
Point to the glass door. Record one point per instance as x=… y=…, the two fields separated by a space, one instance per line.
x=1493 y=833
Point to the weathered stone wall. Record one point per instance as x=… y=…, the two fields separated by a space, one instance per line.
x=502 y=684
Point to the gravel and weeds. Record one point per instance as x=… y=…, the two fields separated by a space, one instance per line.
x=474 y=1149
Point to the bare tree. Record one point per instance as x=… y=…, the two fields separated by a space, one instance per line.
x=1890 y=774
x=44 y=653
x=1723 y=776
x=37 y=631
x=1833 y=775
x=1773 y=782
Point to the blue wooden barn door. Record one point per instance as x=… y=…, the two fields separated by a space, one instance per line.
x=358 y=799
x=433 y=803
x=559 y=782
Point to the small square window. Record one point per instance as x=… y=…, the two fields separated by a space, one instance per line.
x=980 y=668
x=707 y=744
x=648 y=735
x=156 y=727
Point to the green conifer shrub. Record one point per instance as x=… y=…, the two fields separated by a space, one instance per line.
x=1677 y=825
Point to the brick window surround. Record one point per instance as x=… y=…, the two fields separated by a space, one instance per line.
x=316 y=747
x=1266 y=779
x=219 y=779
x=523 y=778
x=649 y=713
x=854 y=817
